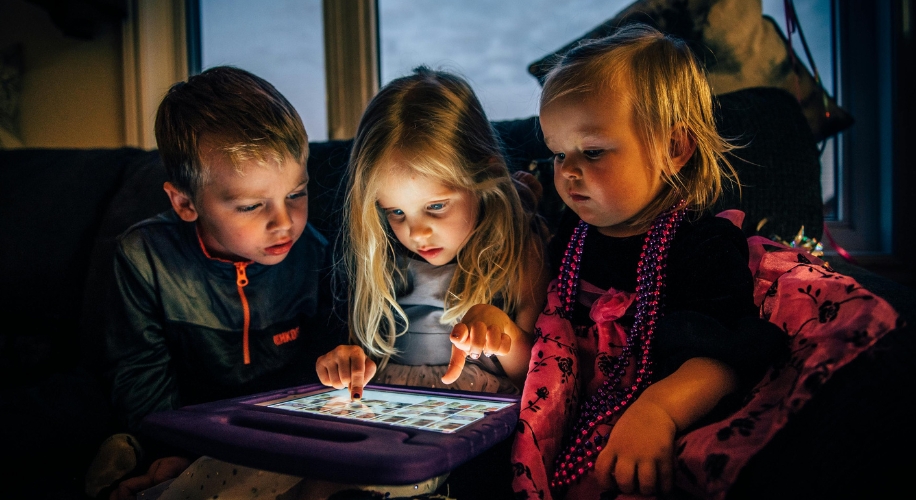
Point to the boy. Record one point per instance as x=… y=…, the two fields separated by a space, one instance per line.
x=227 y=294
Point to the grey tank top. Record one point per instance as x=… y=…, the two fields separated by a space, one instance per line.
x=426 y=340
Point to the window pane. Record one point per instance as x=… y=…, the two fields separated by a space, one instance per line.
x=281 y=41
x=815 y=19
x=489 y=43
x=817 y=26
x=492 y=44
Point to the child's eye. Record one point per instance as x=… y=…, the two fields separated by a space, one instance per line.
x=248 y=208
x=592 y=153
x=436 y=206
x=558 y=157
x=394 y=213
x=297 y=195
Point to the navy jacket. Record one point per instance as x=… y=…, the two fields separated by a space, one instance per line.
x=176 y=334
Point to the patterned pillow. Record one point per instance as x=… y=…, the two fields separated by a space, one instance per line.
x=740 y=47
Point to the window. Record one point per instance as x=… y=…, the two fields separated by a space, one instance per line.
x=816 y=26
x=492 y=43
x=865 y=83
x=489 y=43
x=281 y=41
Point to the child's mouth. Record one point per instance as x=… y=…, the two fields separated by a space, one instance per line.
x=577 y=197
x=430 y=253
x=279 y=249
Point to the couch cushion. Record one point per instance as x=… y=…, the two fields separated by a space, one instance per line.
x=52 y=207
x=140 y=196
x=327 y=167
x=778 y=165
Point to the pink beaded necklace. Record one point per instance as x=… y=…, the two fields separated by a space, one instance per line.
x=611 y=399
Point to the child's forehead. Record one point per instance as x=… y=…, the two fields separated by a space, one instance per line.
x=242 y=158
x=397 y=178
x=611 y=89
x=221 y=173
x=594 y=105
x=428 y=165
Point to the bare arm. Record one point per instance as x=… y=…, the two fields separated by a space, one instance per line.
x=486 y=329
x=639 y=456
x=534 y=296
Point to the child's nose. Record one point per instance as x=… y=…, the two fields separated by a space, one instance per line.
x=420 y=231
x=281 y=219
x=570 y=169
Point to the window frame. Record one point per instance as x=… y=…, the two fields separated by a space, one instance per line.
x=870 y=35
x=864 y=150
x=351 y=59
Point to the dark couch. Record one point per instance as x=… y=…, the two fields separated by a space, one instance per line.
x=62 y=208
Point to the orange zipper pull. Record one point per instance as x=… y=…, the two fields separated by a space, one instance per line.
x=241 y=279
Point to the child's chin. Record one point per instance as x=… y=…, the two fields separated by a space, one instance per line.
x=270 y=260
x=440 y=261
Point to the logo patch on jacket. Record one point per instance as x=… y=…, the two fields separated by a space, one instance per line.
x=288 y=336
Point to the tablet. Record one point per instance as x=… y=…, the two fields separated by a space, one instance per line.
x=393 y=435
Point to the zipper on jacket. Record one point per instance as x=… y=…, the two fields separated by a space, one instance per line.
x=241 y=279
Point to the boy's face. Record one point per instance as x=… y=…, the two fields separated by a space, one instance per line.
x=430 y=219
x=601 y=169
x=254 y=216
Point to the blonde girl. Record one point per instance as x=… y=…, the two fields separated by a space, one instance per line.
x=650 y=326
x=443 y=261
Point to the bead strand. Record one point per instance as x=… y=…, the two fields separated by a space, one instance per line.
x=611 y=398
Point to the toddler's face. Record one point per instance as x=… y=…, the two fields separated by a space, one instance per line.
x=253 y=216
x=601 y=169
x=430 y=219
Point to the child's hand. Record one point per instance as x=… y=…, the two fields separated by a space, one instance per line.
x=482 y=332
x=529 y=181
x=159 y=471
x=639 y=455
x=346 y=366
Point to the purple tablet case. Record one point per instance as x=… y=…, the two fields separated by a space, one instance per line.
x=322 y=447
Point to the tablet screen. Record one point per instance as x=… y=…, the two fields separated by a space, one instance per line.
x=416 y=410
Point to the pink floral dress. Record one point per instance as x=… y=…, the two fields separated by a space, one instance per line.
x=829 y=318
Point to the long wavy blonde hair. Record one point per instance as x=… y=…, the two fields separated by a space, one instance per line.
x=434 y=120
x=668 y=89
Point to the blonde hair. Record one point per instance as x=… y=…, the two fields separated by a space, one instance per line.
x=668 y=89
x=433 y=121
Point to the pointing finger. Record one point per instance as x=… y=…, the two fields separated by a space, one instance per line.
x=478 y=339
x=461 y=336
x=357 y=370
x=455 y=365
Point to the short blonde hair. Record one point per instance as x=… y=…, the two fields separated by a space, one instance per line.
x=242 y=115
x=434 y=123
x=668 y=89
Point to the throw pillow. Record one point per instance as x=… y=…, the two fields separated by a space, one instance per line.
x=739 y=46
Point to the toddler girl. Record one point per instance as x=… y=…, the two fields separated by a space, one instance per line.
x=444 y=263
x=651 y=326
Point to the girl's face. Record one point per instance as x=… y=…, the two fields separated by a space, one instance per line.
x=601 y=169
x=430 y=219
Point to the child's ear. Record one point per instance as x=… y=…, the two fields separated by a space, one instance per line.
x=181 y=202
x=681 y=147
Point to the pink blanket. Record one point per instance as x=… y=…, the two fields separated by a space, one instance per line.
x=829 y=317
